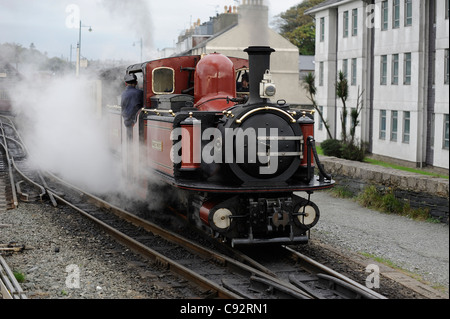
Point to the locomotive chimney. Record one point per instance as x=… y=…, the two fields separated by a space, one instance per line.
x=259 y=62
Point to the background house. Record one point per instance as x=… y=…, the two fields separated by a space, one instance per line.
x=236 y=29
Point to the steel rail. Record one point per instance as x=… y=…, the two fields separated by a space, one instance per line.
x=368 y=293
x=175 y=238
x=29 y=180
x=152 y=254
x=25 y=150
x=11 y=176
x=9 y=286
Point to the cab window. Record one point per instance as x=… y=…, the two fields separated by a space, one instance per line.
x=163 y=80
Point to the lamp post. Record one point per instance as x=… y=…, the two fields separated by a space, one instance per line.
x=134 y=44
x=79 y=48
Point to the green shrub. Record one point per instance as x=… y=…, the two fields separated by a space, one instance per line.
x=390 y=204
x=386 y=201
x=370 y=197
x=353 y=152
x=332 y=147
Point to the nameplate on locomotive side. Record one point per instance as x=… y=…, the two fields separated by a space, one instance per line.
x=157 y=145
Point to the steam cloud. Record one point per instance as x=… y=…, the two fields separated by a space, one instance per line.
x=134 y=17
x=58 y=122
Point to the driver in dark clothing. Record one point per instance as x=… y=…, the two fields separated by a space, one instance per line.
x=132 y=101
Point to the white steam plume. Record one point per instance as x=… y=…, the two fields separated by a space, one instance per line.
x=135 y=16
x=63 y=133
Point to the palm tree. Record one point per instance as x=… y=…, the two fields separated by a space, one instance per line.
x=342 y=93
x=310 y=87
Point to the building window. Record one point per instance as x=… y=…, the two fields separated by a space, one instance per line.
x=322 y=29
x=355 y=22
x=384 y=15
x=394 y=125
x=382 y=124
x=345 y=27
x=383 y=70
x=447 y=8
x=321 y=74
x=408 y=13
x=447 y=67
x=320 y=118
x=407 y=69
x=445 y=146
x=395 y=69
x=406 y=126
x=345 y=68
x=396 y=14
x=354 y=72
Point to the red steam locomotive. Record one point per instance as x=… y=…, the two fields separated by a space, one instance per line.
x=235 y=160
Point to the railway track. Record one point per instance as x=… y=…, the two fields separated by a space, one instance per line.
x=203 y=267
x=232 y=274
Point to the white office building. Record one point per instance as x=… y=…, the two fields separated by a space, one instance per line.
x=396 y=53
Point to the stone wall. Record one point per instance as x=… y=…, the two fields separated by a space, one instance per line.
x=420 y=190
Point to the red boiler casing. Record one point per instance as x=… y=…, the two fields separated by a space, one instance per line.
x=214 y=82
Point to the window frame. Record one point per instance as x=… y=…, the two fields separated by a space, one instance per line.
x=383 y=69
x=407 y=70
x=406 y=134
x=383 y=125
x=354 y=72
x=408 y=13
x=322 y=29
x=320 y=125
x=447 y=9
x=153 y=80
x=345 y=24
x=395 y=69
x=394 y=125
x=446 y=67
x=321 y=67
x=355 y=22
x=445 y=139
x=384 y=15
x=395 y=14
x=345 y=68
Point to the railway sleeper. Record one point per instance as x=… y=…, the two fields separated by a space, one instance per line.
x=276 y=289
x=344 y=289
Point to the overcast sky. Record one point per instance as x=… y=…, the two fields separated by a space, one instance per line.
x=116 y=24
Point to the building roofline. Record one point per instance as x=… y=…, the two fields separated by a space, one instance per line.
x=326 y=5
x=204 y=43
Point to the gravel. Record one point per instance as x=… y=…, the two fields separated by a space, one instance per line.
x=421 y=248
x=62 y=245
x=66 y=257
